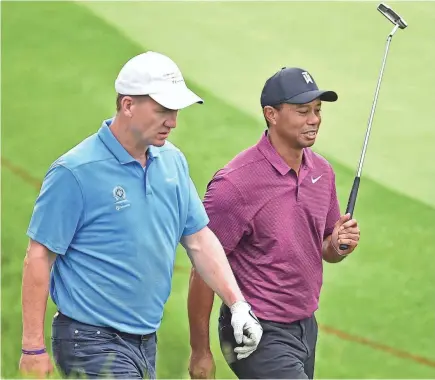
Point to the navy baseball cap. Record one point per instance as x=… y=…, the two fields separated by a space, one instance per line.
x=295 y=86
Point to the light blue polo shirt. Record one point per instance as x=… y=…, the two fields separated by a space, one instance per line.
x=115 y=227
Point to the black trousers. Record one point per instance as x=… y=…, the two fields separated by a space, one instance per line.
x=286 y=351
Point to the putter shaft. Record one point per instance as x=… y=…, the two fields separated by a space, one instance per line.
x=375 y=101
x=354 y=192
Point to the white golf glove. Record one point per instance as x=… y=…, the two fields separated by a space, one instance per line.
x=247 y=329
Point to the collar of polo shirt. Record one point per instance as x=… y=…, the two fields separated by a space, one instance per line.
x=116 y=147
x=276 y=160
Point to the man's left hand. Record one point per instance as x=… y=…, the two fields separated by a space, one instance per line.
x=247 y=329
x=346 y=231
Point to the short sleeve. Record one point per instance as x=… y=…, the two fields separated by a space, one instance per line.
x=197 y=218
x=226 y=209
x=334 y=208
x=58 y=211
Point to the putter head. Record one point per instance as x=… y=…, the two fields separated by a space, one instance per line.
x=392 y=16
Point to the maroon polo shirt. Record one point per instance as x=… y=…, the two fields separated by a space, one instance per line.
x=271 y=224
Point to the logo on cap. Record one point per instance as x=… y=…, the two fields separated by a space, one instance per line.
x=174 y=77
x=307 y=77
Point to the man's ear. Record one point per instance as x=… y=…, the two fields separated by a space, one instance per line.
x=126 y=106
x=270 y=114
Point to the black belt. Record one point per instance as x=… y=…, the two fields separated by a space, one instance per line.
x=111 y=329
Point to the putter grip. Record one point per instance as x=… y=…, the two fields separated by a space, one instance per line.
x=351 y=204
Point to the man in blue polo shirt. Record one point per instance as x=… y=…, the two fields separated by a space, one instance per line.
x=104 y=232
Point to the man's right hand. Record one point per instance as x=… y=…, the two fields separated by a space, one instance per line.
x=202 y=366
x=36 y=365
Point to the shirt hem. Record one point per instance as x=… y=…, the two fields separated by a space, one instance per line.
x=52 y=247
x=196 y=228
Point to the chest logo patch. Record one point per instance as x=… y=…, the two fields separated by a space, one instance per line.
x=120 y=196
x=314 y=180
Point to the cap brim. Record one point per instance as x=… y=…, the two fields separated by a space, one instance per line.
x=177 y=99
x=309 y=96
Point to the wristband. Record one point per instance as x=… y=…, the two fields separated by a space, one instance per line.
x=34 y=352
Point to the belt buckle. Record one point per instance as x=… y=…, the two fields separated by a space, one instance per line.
x=146 y=336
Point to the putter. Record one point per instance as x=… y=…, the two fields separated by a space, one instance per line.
x=399 y=23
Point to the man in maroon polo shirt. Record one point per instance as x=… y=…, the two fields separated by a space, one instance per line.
x=275 y=210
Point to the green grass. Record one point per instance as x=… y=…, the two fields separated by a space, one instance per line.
x=230 y=48
x=59 y=62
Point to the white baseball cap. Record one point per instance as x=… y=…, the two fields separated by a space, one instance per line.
x=156 y=75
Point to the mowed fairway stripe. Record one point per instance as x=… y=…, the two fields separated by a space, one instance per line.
x=230 y=48
x=36 y=184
